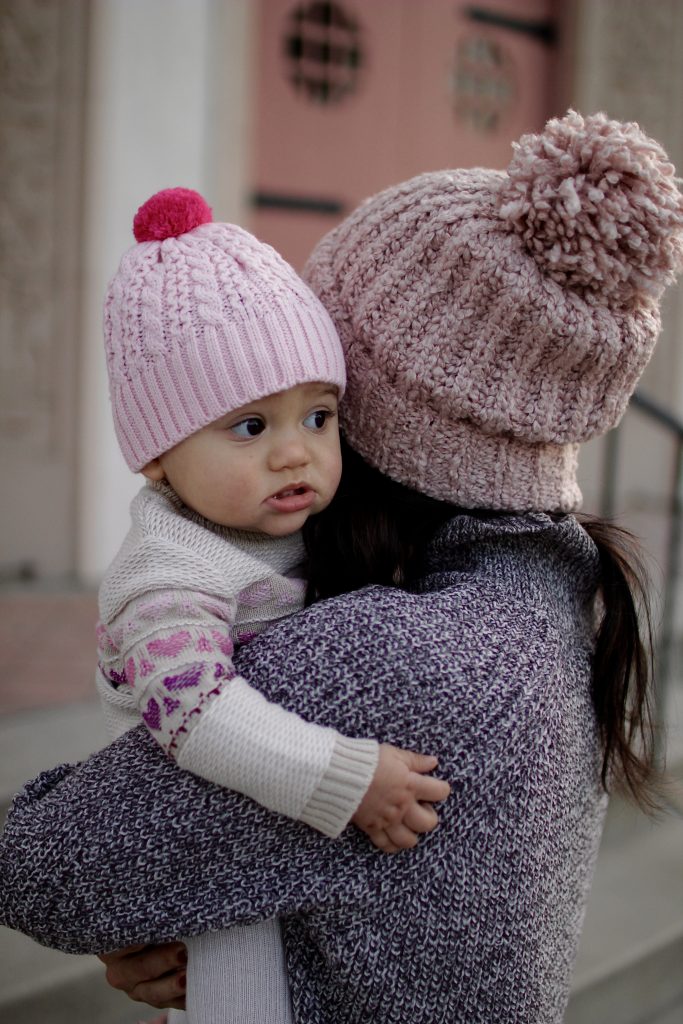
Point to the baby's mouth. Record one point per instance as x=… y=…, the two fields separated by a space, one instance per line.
x=289 y=491
x=292 y=499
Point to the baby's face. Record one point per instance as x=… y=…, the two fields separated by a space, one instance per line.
x=267 y=466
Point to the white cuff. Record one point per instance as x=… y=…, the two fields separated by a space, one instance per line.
x=342 y=787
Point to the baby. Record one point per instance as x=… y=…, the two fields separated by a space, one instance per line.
x=225 y=376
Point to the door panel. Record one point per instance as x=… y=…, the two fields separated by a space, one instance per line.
x=478 y=76
x=306 y=147
x=353 y=96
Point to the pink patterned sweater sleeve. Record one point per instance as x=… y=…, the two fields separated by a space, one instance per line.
x=175 y=648
x=168 y=643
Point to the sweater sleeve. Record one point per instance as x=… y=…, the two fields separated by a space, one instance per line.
x=177 y=650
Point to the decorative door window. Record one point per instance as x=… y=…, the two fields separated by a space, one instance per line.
x=484 y=82
x=323 y=51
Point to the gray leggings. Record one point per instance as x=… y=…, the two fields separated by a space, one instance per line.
x=237 y=976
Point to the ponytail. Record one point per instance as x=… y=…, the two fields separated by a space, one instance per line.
x=623 y=666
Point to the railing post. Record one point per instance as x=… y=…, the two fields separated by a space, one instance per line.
x=665 y=649
x=664 y=654
x=609 y=475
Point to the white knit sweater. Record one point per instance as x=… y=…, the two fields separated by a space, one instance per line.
x=178 y=596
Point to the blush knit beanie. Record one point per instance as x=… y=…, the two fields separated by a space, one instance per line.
x=200 y=319
x=491 y=321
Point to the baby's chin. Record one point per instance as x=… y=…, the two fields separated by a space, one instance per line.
x=284 y=527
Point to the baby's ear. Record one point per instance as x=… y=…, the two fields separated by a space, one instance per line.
x=153 y=470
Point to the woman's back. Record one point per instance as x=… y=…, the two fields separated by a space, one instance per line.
x=491 y=661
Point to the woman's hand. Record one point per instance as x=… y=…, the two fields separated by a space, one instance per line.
x=150 y=974
x=397 y=807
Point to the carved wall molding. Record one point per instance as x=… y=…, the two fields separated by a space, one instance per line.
x=43 y=50
x=628 y=64
x=40 y=112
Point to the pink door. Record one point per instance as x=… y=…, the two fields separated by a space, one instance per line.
x=355 y=95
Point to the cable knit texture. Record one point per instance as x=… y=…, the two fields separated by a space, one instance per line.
x=181 y=593
x=493 y=320
x=488 y=666
x=200 y=319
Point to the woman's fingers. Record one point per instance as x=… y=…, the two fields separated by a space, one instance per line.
x=126 y=968
x=149 y=974
x=167 y=993
x=120 y=954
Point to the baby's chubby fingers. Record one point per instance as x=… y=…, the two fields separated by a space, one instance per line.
x=421 y=818
x=417 y=762
x=425 y=787
x=430 y=790
x=401 y=837
x=399 y=785
x=379 y=838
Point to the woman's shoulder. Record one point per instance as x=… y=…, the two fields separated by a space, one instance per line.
x=519 y=540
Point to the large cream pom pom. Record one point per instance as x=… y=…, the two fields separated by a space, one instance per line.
x=598 y=207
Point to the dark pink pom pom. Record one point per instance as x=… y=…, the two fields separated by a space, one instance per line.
x=170 y=213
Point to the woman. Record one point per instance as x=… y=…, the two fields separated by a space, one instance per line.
x=491 y=322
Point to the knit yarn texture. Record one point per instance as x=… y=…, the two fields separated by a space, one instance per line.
x=492 y=321
x=488 y=666
x=203 y=323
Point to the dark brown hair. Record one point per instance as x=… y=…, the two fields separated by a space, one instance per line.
x=377 y=531
x=374 y=531
x=623 y=667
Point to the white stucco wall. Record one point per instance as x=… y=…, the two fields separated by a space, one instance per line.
x=167 y=106
x=627 y=62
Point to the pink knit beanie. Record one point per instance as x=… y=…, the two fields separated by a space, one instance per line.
x=202 y=318
x=493 y=320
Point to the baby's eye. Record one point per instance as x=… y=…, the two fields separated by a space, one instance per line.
x=251 y=427
x=317 y=420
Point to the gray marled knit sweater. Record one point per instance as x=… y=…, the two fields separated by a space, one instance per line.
x=486 y=666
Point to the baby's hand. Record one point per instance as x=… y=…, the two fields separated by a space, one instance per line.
x=398 y=804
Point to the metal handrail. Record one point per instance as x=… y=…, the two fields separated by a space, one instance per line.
x=674 y=427
x=657 y=412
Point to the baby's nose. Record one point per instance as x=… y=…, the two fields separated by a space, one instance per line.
x=288 y=452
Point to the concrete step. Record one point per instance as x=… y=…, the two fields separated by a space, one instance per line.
x=629 y=968
x=32 y=741
x=36 y=984
x=42 y=986
x=645 y=987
